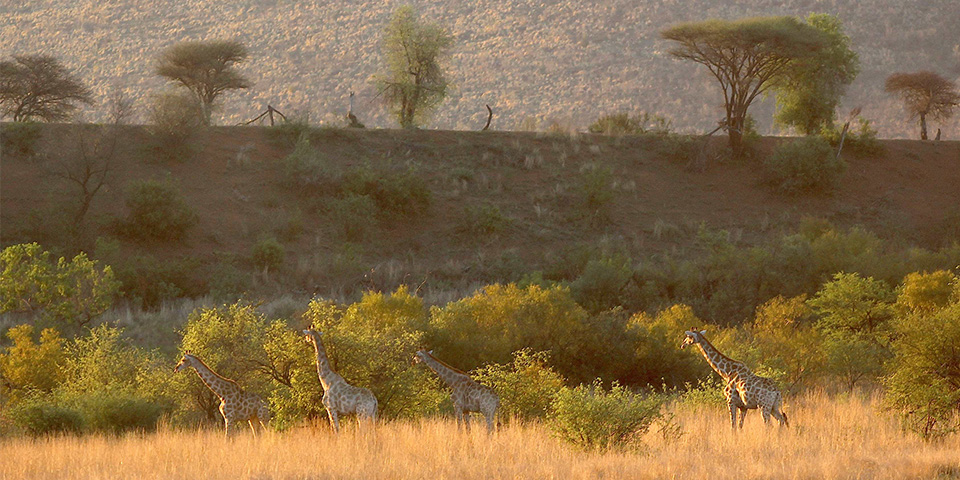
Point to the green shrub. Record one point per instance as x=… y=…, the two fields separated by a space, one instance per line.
x=403 y=194
x=157 y=211
x=625 y=124
x=28 y=366
x=355 y=216
x=483 y=220
x=594 y=419
x=20 y=139
x=600 y=285
x=268 y=254
x=526 y=386
x=596 y=192
x=70 y=292
x=41 y=416
x=118 y=412
x=150 y=281
x=860 y=141
x=922 y=385
x=309 y=169
x=807 y=164
x=174 y=118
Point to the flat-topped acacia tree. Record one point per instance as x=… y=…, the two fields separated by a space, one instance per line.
x=745 y=56
x=924 y=94
x=206 y=69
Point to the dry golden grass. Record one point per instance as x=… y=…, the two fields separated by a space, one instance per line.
x=829 y=438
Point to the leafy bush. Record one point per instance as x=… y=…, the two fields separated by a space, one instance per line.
x=483 y=220
x=676 y=148
x=600 y=285
x=526 y=386
x=354 y=216
x=807 y=164
x=860 y=140
x=596 y=192
x=41 y=416
x=28 y=366
x=306 y=167
x=625 y=124
x=372 y=343
x=150 y=281
x=927 y=292
x=174 y=117
x=20 y=138
x=73 y=292
x=656 y=357
x=922 y=385
x=157 y=211
x=268 y=254
x=404 y=194
x=789 y=344
x=594 y=419
x=118 y=412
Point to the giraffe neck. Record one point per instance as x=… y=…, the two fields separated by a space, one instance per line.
x=216 y=383
x=720 y=363
x=327 y=376
x=448 y=374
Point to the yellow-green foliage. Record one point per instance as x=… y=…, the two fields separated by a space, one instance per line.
x=926 y=292
x=658 y=358
x=31 y=366
x=526 y=386
x=66 y=291
x=372 y=344
x=501 y=319
x=789 y=343
x=592 y=418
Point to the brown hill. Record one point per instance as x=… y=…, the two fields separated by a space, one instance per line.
x=503 y=204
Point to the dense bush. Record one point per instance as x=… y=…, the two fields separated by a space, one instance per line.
x=372 y=344
x=807 y=164
x=484 y=220
x=174 y=118
x=594 y=419
x=41 y=416
x=157 y=211
x=27 y=366
x=860 y=140
x=149 y=281
x=306 y=167
x=596 y=194
x=657 y=358
x=354 y=216
x=625 y=124
x=19 y=139
x=526 y=386
x=789 y=345
x=64 y=292
x=267 y=254
x=403 y=194
x=600 y=285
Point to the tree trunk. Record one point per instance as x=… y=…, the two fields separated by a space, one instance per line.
x=923 y=126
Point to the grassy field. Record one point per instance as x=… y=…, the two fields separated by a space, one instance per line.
x=829 y=437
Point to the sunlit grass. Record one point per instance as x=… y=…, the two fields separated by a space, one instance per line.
x=829 y=438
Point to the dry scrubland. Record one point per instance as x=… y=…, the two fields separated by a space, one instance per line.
x=830 y=437
x=556 y=60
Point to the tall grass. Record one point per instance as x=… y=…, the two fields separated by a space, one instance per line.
x=828 y=438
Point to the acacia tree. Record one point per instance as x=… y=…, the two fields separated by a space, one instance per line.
x=413 y=82
x=745 y=56
x=39 y=87
x=924 y=94
x=809 y=92
x=206 y=69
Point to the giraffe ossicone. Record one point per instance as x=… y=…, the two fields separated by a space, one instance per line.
x=467 y=394
x=236 y=405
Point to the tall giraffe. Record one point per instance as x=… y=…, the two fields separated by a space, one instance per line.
x=467 y=395
x=761 y=392
x=235 y=404
x=725 y=367
x=339 y=397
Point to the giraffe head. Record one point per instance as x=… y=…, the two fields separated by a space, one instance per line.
x=421 y=356
x=312 y=335
x=187 y=360
x=692 y=336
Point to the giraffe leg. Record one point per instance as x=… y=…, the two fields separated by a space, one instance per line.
x=490 y=419
x=334 y=420
x=780 y=416
x=466 y=421
x=765 y=411
x=226 y=426
x=743 y=415
x=458 y=415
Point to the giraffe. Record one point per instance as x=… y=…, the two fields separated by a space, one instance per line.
x=725 y=367
x=760 y=392
x=339 y=397
x=235 y=404
x=467 y=395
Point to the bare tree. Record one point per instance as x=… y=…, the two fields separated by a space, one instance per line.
x=39 y=87
x=206 y=69
x=924 y=94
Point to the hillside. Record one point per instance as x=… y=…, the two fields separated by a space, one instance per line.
x=502 y=205
x=536 y=63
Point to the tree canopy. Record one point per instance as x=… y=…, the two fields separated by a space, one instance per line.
x=924 y=94
x=206 y=69
x=745 y=56
x=39 y=87
x=809 y=92
x=413 y=82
